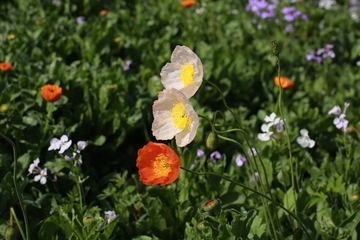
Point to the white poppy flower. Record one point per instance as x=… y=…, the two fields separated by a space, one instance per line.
x=304 y=140
x=174 y=116
x=184 y=73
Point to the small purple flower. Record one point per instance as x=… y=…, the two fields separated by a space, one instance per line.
x=127 y=65
x=254 y=178
x=80 y=20
x=321 y=54
x=289 y=28
x=252 y=152
x=240 y=160
x=200 y=153
x=263 y=9
x=340 y=122
x=215 y=155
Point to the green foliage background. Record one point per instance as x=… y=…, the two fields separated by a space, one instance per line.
x=112 y=109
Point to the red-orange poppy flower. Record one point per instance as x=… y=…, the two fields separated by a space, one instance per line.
x=51 y=93
x=5 y=66
x=158 y=164
x=188 y=3
x=285 y=82
x=103 y=12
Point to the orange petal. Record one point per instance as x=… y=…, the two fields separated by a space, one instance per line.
x=284 y=82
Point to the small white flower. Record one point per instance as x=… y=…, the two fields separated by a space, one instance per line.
x=184 y=73
x=272 y=120
x=265 y=136
x=41 y=176
x=304 y=140
x=33 y=165
x=110 y=215
x=63 y=144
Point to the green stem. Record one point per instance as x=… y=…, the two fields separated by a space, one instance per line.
x=50 y=110
x=12 y=214
x=287 y=136
x=27 y=236
x=251 y=190
x=250 y=145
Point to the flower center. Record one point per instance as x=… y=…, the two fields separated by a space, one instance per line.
x=161 y=166
x=179 y=117
x=187 y=74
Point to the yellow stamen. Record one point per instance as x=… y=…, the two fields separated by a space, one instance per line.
x=3 y=107
x=161 y=166
x=187 y=74
x=354 y=197
x=179 y=117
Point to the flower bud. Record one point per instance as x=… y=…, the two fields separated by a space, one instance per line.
x=211 y=140
x=275 y=48
x=11 y=233
x=213 y=206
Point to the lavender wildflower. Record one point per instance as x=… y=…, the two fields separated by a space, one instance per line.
x=240 y=160
x=340 y=122
x=127 y=65
x=80 y=20
x=215 y=156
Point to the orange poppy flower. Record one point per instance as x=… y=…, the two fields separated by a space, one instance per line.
x=51 y=93
x=5 y=66
x=285 y=82
x=103 y=12
x=187 y=3
x=158 y=164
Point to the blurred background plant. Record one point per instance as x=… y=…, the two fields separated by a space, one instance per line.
x=107 y=55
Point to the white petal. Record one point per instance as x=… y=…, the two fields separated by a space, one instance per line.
x=335 y=110
x=64 y=138
x=187 y=135
x=304 y=132
x=270 y=118
x=37 y=178
x=54 y=144
x=36 y=162
x=65 y=146
x=264 y=137
x=43 y=180
x=301 y=140
x=265 y=127
x=311 y=143
x=171 y=72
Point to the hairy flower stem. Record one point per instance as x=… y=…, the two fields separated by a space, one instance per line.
x=50 y=110
x=246 y=136
x=254 y=191
x=21 y=203
x=288 y=139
